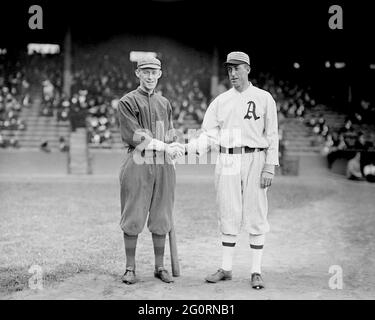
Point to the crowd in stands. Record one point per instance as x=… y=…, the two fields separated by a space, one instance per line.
x=18 y=77
x=353 y=140
x=292 y=100
x=14 y=95
x=100 y=77
x=186 y=85
x=99 y=81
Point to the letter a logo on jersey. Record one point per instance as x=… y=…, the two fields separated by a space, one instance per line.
x=251 y=110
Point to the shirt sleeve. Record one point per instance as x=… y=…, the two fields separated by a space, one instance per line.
x=209 y=133
x=271 y=132
x=172 y=134
x=131 y=131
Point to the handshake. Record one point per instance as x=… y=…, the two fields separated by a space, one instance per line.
x=175 y=150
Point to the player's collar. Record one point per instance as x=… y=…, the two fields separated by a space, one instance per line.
x=248 y=88
x=144 y=92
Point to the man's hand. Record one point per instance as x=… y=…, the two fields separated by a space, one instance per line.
x=175 y=150
x=265 y=179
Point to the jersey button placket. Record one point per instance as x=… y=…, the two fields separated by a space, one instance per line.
x=153 y=125
x=152 y=116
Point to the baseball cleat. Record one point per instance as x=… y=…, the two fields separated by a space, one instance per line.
x=163 y=275
x=129 y=276
x=219 y=275
x=257 y=281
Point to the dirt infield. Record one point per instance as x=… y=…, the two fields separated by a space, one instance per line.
x=69 y=226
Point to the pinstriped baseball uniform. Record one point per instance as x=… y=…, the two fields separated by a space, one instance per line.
x=238 y=119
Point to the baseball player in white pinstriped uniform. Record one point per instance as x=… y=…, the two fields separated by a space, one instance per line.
x=242 y=124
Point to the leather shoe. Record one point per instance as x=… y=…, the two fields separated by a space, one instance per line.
x=129 y=276
x=257 y=281
x=163 y=275
x=220 y=274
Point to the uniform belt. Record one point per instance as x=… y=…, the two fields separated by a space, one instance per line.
x=151 y=153
x=239 y=150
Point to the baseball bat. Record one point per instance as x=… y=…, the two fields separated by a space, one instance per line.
x=174 y=256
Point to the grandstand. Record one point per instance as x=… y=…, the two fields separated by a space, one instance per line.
x=40 y=129
x=98 y=83
x=79 y=86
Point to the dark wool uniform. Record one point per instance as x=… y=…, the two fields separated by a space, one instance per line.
x=147 y=179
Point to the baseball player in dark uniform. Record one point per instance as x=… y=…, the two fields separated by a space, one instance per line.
x=147 y=175
x=242 y=124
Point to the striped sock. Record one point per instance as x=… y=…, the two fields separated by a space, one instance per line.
x=256 y=247
x=130 y=246
x=228 y=243
x=159 y=245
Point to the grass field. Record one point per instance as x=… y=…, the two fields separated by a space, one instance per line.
x=70 y=228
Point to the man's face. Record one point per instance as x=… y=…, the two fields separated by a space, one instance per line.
x=148 y=78
x=238 y=74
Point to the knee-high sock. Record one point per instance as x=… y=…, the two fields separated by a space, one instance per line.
x=159 y=245
x=228 y=242
x=256 y=248
x=130 y=246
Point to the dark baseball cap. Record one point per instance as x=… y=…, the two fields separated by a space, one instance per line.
x=152 y=63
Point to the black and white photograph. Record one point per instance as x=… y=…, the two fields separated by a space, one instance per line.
x=197 y=151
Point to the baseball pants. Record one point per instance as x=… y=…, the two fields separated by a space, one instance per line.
x=242 y=203
x=147 y=190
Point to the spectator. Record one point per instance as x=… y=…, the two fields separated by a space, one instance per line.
x=48 y=90
x=282 y=146
x=353 y=169
x=362 y=143
x=44 y=146
x=63 y=146
x=328 y=144
x=63 y=110
x=369 y=172
x=2 y=142
x=336 y=150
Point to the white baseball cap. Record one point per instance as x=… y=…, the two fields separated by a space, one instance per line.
x=237 y=57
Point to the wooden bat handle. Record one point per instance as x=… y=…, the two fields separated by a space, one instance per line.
x=174 y=256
